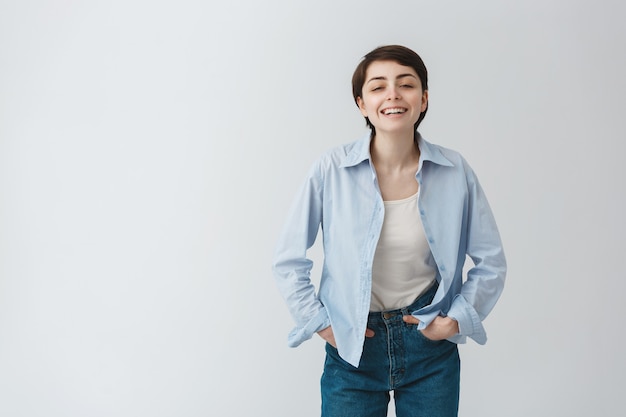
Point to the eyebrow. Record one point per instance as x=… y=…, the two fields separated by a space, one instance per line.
x=384 y=78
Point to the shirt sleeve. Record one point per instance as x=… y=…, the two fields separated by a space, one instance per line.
x=485 y=280
x=291 y=266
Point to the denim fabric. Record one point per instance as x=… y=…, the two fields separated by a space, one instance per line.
x=423 y=374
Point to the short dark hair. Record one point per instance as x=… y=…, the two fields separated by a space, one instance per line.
x=397 y=53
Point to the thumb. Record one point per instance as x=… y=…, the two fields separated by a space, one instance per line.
x=369 y=333
x=410 y=319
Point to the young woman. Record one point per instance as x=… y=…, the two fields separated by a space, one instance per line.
x=398 y=216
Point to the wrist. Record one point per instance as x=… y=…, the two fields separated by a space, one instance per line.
x=453 y=325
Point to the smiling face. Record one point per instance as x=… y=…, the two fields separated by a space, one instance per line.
x=392 y=97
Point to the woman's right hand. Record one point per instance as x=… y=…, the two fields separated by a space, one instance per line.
x=328 y=335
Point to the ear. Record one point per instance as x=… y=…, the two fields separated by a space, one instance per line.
x=424 y=101
x=361 y=104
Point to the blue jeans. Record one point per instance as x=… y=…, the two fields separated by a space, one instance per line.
x=423 y=374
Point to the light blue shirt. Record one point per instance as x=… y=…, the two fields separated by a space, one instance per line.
x=341 y=195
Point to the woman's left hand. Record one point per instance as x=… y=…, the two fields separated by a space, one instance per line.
x=439 y=329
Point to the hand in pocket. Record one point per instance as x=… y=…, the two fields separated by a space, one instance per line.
x=439 y=329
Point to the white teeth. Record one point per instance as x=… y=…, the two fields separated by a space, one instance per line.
x=394 y=111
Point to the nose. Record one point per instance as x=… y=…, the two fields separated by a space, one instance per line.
x=393 y=93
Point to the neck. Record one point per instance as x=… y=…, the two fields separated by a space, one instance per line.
x=394 y=152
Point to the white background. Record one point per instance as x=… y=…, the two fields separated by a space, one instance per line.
x=149 y=151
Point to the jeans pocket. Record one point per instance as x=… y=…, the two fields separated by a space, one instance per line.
x=428 y=340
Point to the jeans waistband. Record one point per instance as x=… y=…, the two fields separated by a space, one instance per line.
x=423 y=300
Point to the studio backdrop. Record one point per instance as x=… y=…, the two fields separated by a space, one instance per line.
x=150 y=150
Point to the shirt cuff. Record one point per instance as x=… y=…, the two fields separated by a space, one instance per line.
x=469 y=322
x=304 y=333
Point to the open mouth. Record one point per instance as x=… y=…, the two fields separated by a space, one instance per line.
x=394 y=110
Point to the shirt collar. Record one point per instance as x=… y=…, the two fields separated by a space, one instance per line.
x=361 y=152
x=432 y=153
x=358 y=153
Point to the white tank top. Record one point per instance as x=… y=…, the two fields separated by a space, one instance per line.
x=402 y=268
